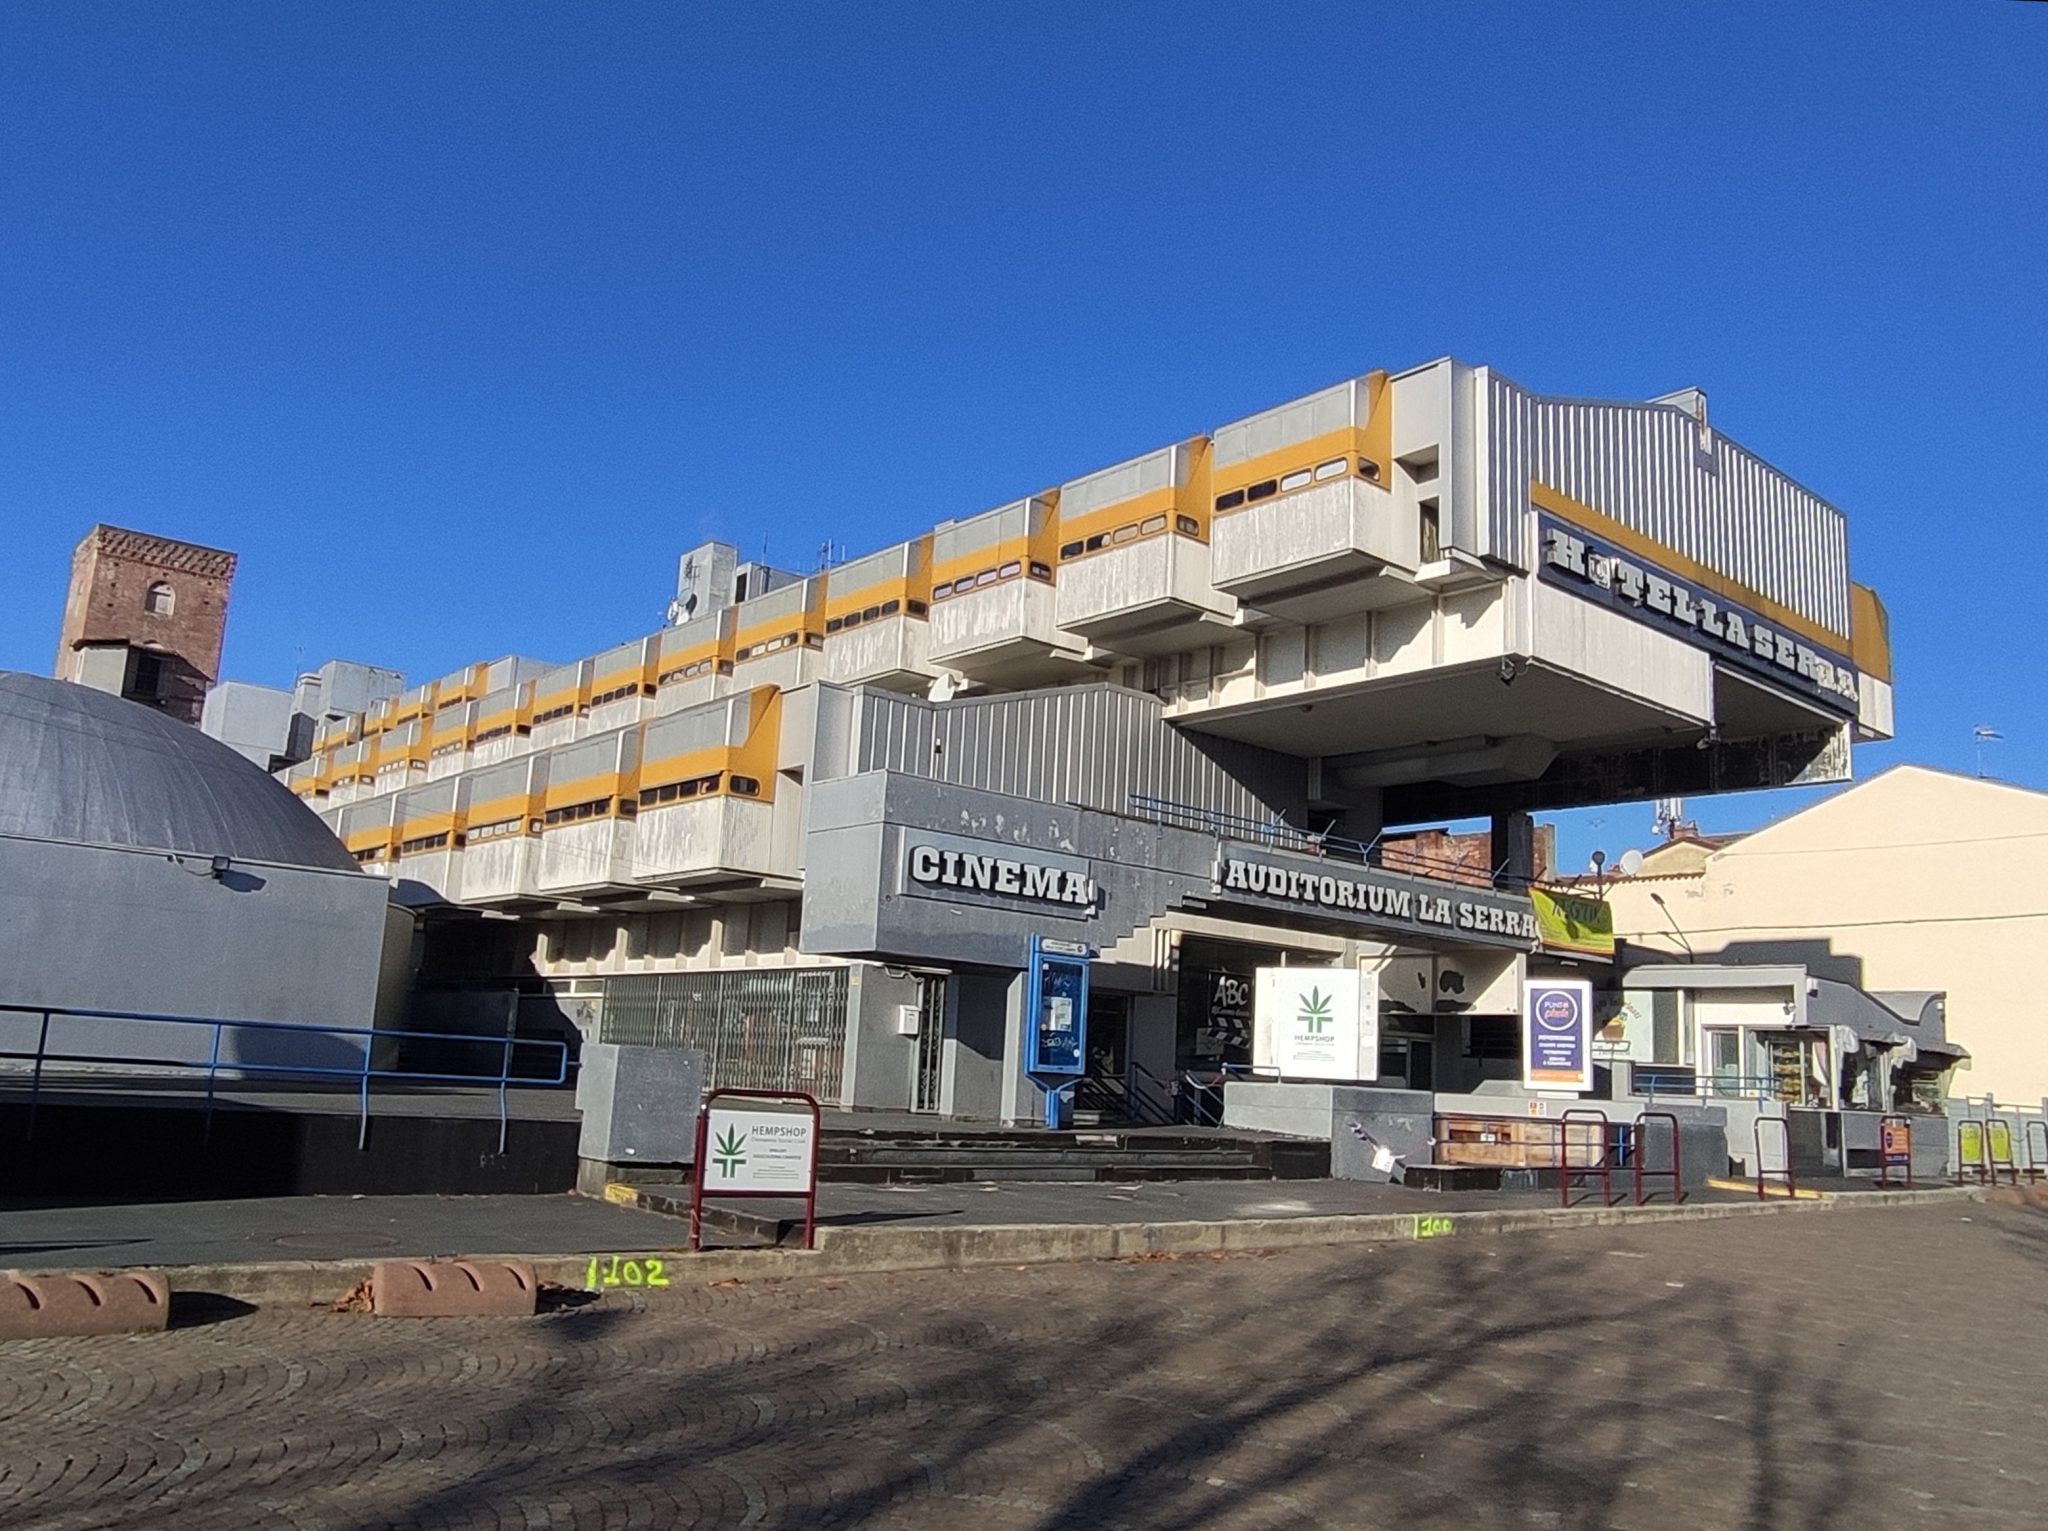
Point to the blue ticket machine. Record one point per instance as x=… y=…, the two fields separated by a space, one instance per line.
x=1056 y=1043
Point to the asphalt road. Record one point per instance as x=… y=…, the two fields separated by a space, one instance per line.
x=1832 y=1368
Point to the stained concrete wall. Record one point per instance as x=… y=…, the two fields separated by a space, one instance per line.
x=96 y=928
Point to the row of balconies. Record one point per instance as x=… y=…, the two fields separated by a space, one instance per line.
x=1298 y=513
x=683 y=801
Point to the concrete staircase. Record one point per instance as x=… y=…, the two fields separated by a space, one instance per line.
x=944 y=1155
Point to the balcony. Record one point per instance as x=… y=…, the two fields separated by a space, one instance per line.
x=708 y=839
x=1326 y=550
x=429 y=821
x=501 y=833
x=586 y=841
x=892 y=652
x=695 y=657
x=1146 y=597
x=1006 y=633
x=876 y=629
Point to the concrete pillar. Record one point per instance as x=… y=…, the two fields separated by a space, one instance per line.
x=1023 y=1102
x=1514 y=848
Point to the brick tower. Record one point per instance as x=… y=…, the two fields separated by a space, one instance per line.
x=144 y=618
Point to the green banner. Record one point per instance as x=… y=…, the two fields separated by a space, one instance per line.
x=1567 y=923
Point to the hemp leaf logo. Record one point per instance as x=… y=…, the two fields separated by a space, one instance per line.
x=1315 y=1011
x=730 y=1151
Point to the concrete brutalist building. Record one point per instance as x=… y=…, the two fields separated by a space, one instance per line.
x=1180 y=711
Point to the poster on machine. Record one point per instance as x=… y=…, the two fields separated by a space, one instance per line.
x=1316 y=1023
x=1557 y=1035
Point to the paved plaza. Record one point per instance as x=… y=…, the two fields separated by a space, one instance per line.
x=1850 y=1368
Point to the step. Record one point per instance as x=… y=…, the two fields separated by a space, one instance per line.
x=1099 y=1174
x=978 y=1157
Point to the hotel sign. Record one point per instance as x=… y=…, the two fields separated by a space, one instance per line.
x=1590 y=567
x=1372 y=898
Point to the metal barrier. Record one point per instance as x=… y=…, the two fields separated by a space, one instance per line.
x=1671 y=1081
x=1998 y=1154
x=1281 y=835
x=2034 y=1135
x=369 y=1039
x=1675 y=1174
x=1603 y=1166
x=1784 y=1171
x=1968 y=1157
x=1894 y=1149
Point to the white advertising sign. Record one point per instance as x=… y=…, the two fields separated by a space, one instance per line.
x=753 y=1150
x=1316 y=1023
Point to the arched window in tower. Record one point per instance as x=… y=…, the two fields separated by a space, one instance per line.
x=160 y=601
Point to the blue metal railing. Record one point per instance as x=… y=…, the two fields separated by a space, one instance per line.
x=361 y=1073
x=1673 y=1080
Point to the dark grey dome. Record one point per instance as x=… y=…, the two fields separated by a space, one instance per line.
x=81 y=765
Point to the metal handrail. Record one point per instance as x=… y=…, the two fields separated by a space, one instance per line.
x=503 y=1079
x=1281 y=835
x=1676 y=1079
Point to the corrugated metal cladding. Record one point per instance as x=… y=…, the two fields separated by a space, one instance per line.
x=435 y=797
x=1647 y=467
x=1006 y=523
x=595 y=756
x=1126 y=481
x=1091 y=745
x=510 y=778
x=873 y=568
x=1333 y=409
x=696 y=728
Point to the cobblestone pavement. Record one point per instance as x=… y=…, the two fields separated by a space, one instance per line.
x=1814 y=1369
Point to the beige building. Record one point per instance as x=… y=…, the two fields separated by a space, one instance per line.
x=1914 y=880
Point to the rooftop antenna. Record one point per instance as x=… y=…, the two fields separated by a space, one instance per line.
x=1669 y=813
x=1985 y=734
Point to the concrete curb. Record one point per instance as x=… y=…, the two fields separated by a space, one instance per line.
x=858 y=1251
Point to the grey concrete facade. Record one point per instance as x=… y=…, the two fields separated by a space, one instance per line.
x=99 y=928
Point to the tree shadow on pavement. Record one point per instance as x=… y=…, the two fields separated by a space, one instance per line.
x=1528 y=1385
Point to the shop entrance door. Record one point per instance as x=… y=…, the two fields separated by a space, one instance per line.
x=928 y=1071
x=1724 y=1060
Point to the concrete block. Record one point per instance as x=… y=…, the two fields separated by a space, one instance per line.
x=452 y=1289
x=639 y=1104
x=44 y=1304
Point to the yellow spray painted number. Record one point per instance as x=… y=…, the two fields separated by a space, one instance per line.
x=1431 y=1227
x=625 y=1272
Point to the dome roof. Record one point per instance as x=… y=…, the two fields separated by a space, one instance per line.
x=82 y=765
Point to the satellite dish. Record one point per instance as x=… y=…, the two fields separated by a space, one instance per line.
x=1631 y=862
x=946 y=685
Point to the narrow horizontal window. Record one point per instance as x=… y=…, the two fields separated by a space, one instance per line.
x=1296 y=480
x=1151 y=526
x=1231 y=500
x=1265 y=489
x=1069 y=550
x=1187 y=526
x=1334 y=468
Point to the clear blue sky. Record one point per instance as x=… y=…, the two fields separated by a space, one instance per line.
x=458 y=322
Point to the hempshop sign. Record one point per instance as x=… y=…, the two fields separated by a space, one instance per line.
x=1316 y=1023
x=1643 y=591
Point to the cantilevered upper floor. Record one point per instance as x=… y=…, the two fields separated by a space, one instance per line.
x=1446 y=594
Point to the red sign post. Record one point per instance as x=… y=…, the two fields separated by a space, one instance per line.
x=754 y=1150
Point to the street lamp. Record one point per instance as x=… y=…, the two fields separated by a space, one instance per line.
x=1658 y=900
